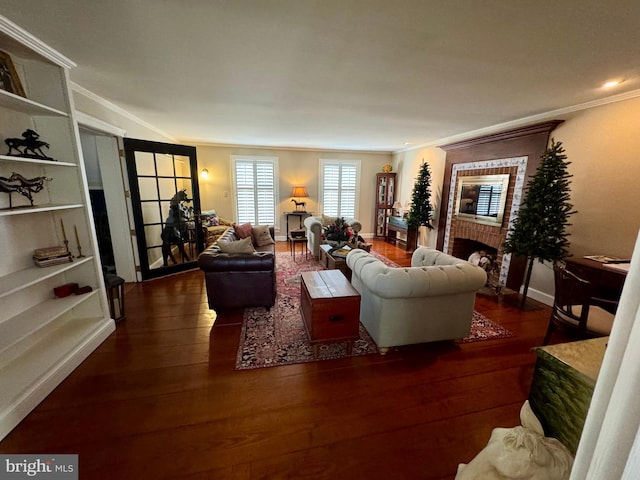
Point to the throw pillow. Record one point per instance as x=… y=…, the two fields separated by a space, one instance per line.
x=326 y=220
x=240 y=246
x=262 y=236
x=243 y=231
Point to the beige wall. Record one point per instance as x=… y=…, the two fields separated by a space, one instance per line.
x=296 y=167
x=603 y=146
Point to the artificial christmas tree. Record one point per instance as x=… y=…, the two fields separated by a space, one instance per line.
x=539 y=231
x=421 y=211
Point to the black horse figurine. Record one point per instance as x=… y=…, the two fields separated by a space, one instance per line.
x=176 y=227
x=300 y=206
x=31 y=146
x=26 y=187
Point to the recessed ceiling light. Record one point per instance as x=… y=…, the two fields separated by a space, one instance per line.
x=612 y=83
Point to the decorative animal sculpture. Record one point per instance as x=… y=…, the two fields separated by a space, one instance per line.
x=522 y=453
x=26 y=187
x=32 y=147
x=300 y=205
x=176 y=228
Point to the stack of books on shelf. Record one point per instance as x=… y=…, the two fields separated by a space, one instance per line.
x=46 y=257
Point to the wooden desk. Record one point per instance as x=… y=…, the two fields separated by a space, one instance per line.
x=605 y=282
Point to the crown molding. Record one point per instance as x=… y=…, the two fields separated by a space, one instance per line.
x=545 y=127
x=21 y=36
x=541 y=117
x=120 y=111
x=295 y=149
x=97 y=125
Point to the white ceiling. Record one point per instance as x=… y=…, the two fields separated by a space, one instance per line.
x=339 y=74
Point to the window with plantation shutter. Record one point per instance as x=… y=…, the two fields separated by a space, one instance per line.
x=255 y=184
x=489 y=200
x=340 y=183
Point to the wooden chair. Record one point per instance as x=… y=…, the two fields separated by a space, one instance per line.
x=575 y=308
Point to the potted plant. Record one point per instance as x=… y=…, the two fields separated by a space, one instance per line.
x=539 y=231
x=337 y=233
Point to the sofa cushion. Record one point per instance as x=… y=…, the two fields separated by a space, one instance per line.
x=243 y=231
x=261 y=236
x=241 y=246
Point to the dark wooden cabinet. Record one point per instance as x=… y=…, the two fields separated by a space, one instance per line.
x=385 y=197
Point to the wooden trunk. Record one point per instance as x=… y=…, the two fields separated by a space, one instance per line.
x=330 y=308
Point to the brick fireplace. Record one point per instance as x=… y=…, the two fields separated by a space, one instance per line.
x=518 y=152
x=464 y=237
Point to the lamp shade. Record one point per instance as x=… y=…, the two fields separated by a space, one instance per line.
x=299 y=192
x=397 y=205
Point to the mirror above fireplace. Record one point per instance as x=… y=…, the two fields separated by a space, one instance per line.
x=482 y=199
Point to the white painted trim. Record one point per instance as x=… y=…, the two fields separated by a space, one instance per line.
x=35 y=44
x=120 y=111
x=524 y=121
x=110 y=171
x=95 y=124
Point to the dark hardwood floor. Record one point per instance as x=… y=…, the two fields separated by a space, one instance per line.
x=161 y=399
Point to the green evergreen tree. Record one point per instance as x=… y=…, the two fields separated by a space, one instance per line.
x=539 y=231
x=421 y=212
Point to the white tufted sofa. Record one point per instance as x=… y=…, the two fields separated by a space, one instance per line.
x=431 y=300
x=314 y=226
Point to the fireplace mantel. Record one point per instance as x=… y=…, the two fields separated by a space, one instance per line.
x=529 y=142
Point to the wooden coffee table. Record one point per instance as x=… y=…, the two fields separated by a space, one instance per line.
x=330 y=308
x=330 y=262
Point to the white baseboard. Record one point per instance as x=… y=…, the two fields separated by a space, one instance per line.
x=539 y=296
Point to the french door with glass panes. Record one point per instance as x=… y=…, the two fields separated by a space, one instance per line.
x=166 y=206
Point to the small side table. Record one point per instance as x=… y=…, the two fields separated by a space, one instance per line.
x=301 y=216
x=301 y=240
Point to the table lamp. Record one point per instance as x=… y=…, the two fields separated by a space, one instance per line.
x=398 y=208
x=297 y=193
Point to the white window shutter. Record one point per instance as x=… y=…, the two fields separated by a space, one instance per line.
x=339 y=187
x=255 y=184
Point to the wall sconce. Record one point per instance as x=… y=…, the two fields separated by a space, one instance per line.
x=299 y=192
x=204 y=173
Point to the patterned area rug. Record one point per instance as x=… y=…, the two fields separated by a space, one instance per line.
x=278 y=337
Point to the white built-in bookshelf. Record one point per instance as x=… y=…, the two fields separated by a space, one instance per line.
x=44 y=338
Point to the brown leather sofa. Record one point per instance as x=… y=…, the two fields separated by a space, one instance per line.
x=239 y=280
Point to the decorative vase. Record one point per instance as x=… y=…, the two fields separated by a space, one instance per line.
x=336 y=244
